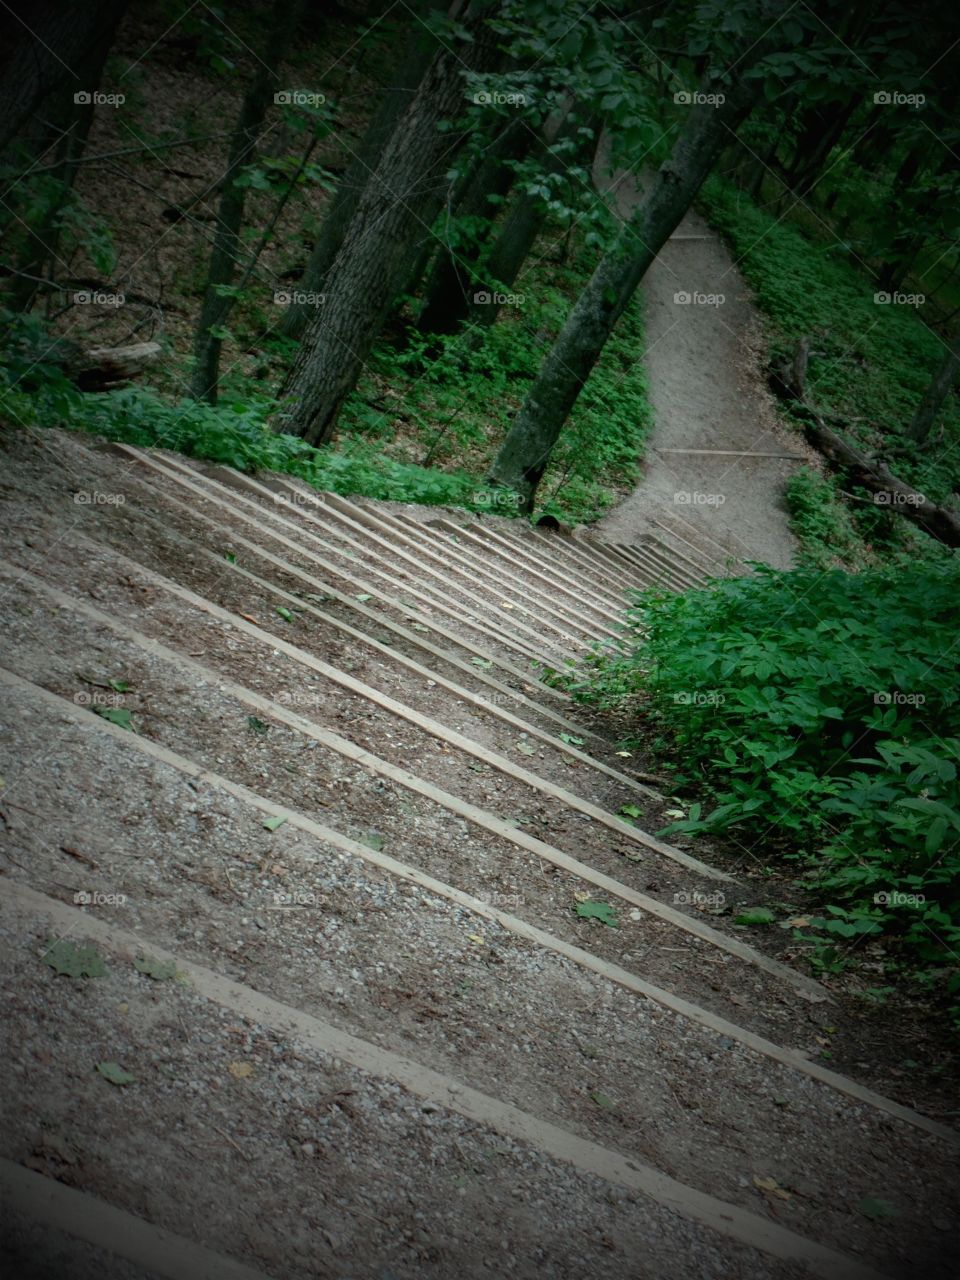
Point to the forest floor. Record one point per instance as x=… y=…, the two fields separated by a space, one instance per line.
x=705 y=363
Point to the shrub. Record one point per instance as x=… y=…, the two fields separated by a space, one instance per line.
x=821 y=713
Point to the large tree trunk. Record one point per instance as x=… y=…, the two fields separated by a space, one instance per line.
x=404 y=194
x=448 y=291
x=833 y=123
x=67 y=116
x=393 y=102
x=935 y=394
x=224 y=255
x=41 y=56
x=520 y=228
x=525 y=452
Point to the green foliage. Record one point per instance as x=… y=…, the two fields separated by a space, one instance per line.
x=459 y=393
x=824 y=526
x=870 y=362
x=821 y=711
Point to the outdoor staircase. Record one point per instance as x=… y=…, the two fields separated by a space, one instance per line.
x=446 y=1006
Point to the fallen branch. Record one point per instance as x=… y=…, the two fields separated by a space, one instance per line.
x=788 y=379
x=100 y=368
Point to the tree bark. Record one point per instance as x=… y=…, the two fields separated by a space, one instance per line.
x=935 y=394
x=523 y=457
x=448 y=290
x=519 y=231
x=404 y=194
x=393 y=102
x=41 y=57
x=64 y=129
x=224 y=254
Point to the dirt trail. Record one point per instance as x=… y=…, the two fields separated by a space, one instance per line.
x=707 y=388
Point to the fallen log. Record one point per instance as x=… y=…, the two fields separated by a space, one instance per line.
x=788 y=379
x=100 y=368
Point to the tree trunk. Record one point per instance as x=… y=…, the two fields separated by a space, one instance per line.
x=523 y=457
x=448 y=291
x=393 y=102
x=67 y=124
x=404 y=194
x=41 y=57
x=834 y=124
x=224 y=255
x=518 y=233
x=935 y=394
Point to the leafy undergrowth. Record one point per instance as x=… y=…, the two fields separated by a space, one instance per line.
x=870 y=360
x=449 y=399
x=820 y=713
x=422 y=426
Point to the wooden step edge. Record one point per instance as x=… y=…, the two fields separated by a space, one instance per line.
x=181 y=477
x=32 y=1197
x=804 y=986
x=441 y=1089
x=423 y=537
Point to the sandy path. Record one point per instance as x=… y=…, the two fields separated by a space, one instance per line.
x=708 y=391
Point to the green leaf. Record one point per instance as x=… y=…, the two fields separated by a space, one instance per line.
x=75 y=961
x=116 y=715
x=285 y=613
x=876 y=1208
x=257 y=725
x=754 y=915
x=481 y=662
x=220 y=331
x=602 y=1100
x=113 y=1072
x=159 y=970
x=570 y=739
x=120 y=686
x=372 y=841
x=527 y=748
x=230 y=557
x=601 y=911
x=271 y=824
x=363 y=597
x=631 y=811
